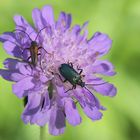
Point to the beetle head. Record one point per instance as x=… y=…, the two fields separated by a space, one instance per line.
x=82 y=84
x=34 y=43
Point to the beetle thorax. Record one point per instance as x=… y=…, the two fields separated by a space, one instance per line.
x=77 y=80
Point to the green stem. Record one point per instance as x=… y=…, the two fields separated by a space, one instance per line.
x=43 y=135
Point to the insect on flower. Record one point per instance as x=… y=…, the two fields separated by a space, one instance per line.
x=34 y=48
x=71 y=75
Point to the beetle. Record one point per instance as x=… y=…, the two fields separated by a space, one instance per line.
x=73 y=77
x=34 y=48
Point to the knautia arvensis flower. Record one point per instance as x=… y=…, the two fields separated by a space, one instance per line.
x=46 y=98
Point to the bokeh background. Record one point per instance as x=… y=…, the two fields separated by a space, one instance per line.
x=121 y=20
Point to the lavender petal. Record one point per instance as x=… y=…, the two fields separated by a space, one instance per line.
x=22 y=86
x=71 y=112
x=56 y=122
x=47 y=14
x=100 y=43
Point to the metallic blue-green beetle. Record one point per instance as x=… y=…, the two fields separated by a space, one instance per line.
x=71 y=75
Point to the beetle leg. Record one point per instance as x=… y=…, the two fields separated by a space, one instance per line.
x=43 y=49
x=40 y=61
x=62 y=79
x=39 y=54
x=40 y=48
x=65 y=81
x=69 y=90
x=70 y=63
x=40 y=57
x=29 y=62
x=73 y=87
x=28 y=58
x=81 y=70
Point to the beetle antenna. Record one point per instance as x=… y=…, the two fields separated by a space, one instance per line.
x=97 y=84
x=23 y=32
x=88 y=90
x=40 y=32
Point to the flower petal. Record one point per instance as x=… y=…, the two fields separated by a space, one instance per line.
x=42 y=117
x=8 y=36
x=12 y=49
x=44 y=78
x=100 y=43
x=21 y=87
x=61 y=91
x=12 y=74
x=100 y=86
x=47 y=14
x=34 y=104
x=24 y=25
x=46 y=104
x=6 y=74
x=89 y=104
x=26 y=119
x=24 y=68
x=103 y=67
x=64 y=21
x=57 y=121
x=37 y=18
x=36 y=110
x=17 y=77
x=11 y=63
x=17 y=66
x=71 y=112
x=91 y=99
x=105 y=89
x=76 y=29
x=92 y=112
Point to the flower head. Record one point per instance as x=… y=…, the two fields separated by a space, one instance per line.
x=66 y=70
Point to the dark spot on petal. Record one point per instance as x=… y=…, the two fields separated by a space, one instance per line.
x=60 y=119
x=105 y=66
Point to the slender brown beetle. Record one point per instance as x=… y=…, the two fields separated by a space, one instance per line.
x=34 y=48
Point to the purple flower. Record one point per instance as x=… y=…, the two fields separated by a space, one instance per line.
x=47 y=100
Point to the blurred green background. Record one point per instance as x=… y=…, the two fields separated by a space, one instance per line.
x=121 y=20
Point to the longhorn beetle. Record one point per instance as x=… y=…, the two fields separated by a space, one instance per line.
x=34 y=47
x=73 y=77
